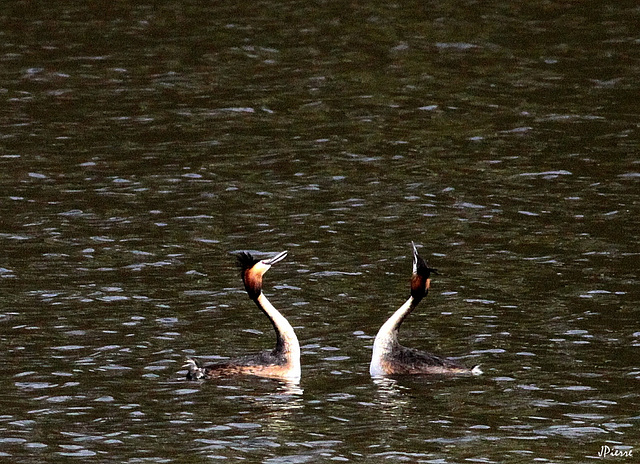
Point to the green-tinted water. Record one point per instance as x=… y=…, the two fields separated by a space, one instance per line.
x=141 y=144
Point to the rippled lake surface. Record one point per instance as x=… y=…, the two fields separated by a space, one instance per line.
x=142 y=143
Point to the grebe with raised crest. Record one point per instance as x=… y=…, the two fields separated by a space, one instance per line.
x=283 y=362
x=391 y=358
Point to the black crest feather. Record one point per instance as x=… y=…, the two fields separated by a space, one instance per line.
x=246 y=261
x=252 y=283
x=423 y=268
x=420 y=266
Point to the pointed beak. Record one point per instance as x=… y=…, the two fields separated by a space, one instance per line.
x=277 y=258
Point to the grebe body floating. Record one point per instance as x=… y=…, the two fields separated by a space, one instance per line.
x=391 y=358
x=283 y=362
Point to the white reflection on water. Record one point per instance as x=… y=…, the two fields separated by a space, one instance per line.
x=390 y=394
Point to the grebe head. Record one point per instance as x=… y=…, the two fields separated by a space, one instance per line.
x=421 y=277
x=253 y=269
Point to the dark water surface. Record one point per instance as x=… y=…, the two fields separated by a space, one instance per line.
x=142 y=142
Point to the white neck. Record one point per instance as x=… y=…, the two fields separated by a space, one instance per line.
x=286 y=340
x=387 y=338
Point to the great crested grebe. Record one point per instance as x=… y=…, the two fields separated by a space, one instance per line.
x=283 y=362
x=389 y=357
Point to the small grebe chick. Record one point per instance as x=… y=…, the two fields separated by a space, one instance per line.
x=389 y=357
x=283 y=362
